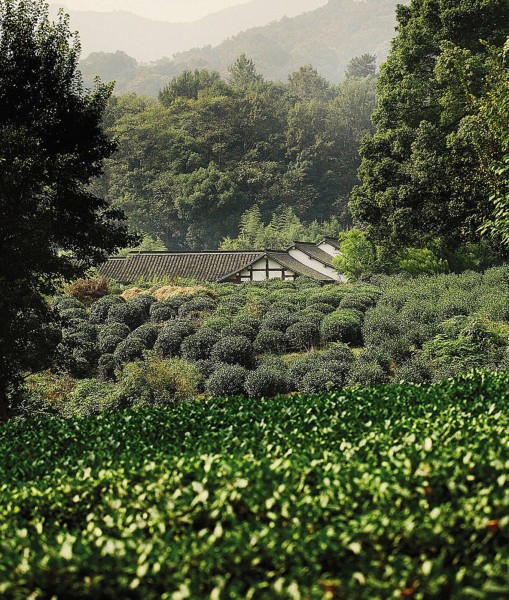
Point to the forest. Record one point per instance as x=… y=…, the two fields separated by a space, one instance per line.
x=173 y=438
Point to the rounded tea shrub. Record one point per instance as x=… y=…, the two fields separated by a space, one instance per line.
x=198 y=346
x=279 y=320
x=171 y=336
x=303 y=336
x=271 y=342
x=309 y=316
x=236 y=329
x=197 y=304
x=71 y=317
x=366 y=372
x=343 y=325
x=162 y=311
x=61 y=303
x=227 y=380
x=321 y=307
x=252 y=322
x=128 y=351
x=233 y=350
x=318 y=380
x=106 y=367
x=144 y=303
x=147 y=333
x=216 y=323
x=266 y=381
x=109 y=336
x=306 y=283
x=130 y=314
x=100 y=309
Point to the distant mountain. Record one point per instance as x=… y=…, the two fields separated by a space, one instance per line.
x=328 y=38
x=148 y=40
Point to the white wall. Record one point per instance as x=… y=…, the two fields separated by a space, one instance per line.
x=329 y=249
x=313 y=263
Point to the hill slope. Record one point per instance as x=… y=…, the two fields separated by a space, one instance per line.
x=147 y=39
x=328 y=38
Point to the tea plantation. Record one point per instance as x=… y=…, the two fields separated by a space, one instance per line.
x=388 y=492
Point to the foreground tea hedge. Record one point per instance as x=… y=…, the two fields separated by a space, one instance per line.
x=395 y=491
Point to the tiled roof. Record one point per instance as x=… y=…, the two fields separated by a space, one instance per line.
x=202 y=266
x=284 y=259
x=332 y=242
x=314 y=252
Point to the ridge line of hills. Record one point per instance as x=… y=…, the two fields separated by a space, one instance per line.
x=347 y=28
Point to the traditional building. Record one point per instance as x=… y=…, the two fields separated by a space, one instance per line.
x=301 y=259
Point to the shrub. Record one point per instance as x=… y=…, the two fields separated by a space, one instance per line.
x=106 y=367
x=197 y=304
x=216 y=323
x=227 y=380
x=100 y=309
x=72 y=317
x=329 y=295
x=321 y=307
x=306 y=283
x=248 y=320
x=303 y=336
x=271 y=342
x=233 y=350
x=131 y=314
x=417 y=369
x=158 y=381
x=91 y=397
x=357 y=301
x=110 y=336
x=162 y=311
x=89 y=290
x=198 y=346
x=171 y=336
x=129 y=350
x=61 y=303
x=301 y=372
x=239 y=328
x=267 y=382
x=206 y=367
x=147 y=333
x=230 y=306
x=279 y=320
x=317 y=380
x=309 y=316
x=343 y=325
x=340 y=353
x=366 y=372
x=144 y=302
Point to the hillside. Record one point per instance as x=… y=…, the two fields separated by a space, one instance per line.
x=147 y=39
x=347 y=28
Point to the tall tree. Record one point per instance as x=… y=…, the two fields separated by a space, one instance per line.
x=421 y=177
x=52 y=145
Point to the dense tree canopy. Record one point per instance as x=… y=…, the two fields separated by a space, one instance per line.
x=188 y=167
x=51 y=146
x=422 y=174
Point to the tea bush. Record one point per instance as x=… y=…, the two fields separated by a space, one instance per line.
x=266 y=381
x=199 y=345
x=271 y=342
x=343 y=325
x=390 y=492
x=171 y=336
x=227 y=380
x=236 y=350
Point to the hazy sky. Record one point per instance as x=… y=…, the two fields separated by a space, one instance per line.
x=162 y=10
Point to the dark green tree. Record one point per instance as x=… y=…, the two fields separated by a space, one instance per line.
x=421 y=176
x=188 y=85
x=52 y=145
x=362 y=66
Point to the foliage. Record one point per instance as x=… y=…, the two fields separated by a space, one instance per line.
x=271 y=341
x=397 y=490
x=171 y=336
x=53 y=228
x=244 y=151
x=158 y=381
x=423 y=173
x=236 y=350
x=266 y=381
x=343 y=325
x=227 y=380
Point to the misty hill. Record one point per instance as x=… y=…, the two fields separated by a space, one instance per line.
x=147 y=39
x=328 y=38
